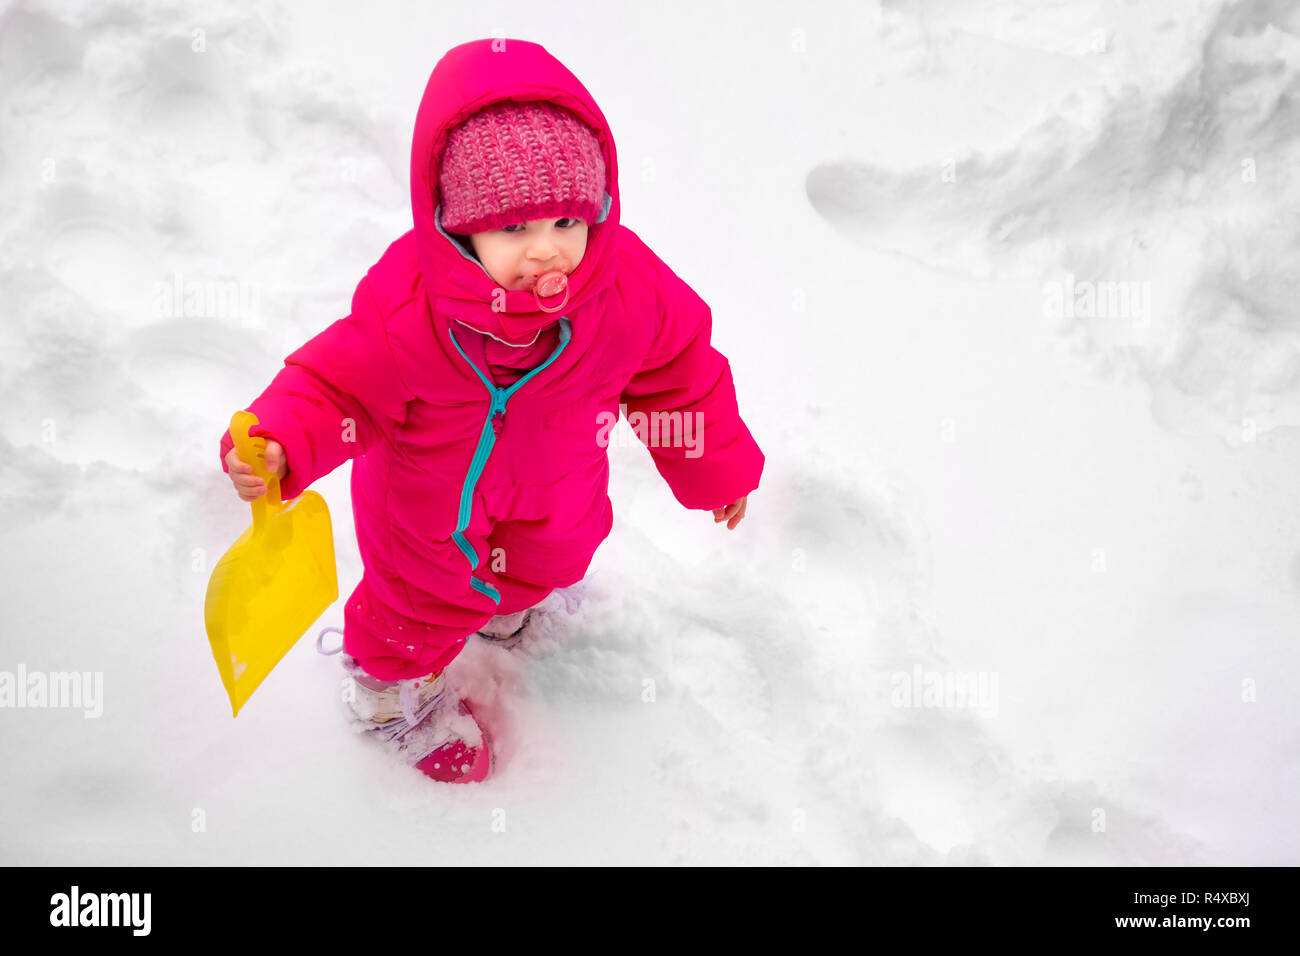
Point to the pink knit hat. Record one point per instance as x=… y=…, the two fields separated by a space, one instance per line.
x=512 y=162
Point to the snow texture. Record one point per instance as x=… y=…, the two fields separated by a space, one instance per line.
x=1008 y=291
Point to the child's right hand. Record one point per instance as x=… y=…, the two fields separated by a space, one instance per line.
x=247 y=485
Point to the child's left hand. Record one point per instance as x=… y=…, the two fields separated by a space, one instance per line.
x=735 y=511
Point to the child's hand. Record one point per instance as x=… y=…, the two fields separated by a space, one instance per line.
x=735 y=511
x=248 y=486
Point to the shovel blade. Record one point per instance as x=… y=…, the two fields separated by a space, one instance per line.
x=267 y=590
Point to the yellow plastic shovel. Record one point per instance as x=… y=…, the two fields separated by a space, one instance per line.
x=274 y=581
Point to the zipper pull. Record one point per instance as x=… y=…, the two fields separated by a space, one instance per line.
x=498 y=409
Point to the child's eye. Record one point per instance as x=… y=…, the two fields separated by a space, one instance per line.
x=572 y=221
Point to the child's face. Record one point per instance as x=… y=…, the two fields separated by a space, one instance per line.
x=516 y=255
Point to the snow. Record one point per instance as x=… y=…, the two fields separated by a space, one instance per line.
x=1093 y=513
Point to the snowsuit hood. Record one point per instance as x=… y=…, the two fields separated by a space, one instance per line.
x=466 y=79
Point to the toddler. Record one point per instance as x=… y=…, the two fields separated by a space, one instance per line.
x=486 y=354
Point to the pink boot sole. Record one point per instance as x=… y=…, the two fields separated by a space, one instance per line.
x=458 y=762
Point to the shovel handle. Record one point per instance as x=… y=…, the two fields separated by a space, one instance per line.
x=253 y=451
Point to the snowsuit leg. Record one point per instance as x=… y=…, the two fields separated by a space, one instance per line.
x=525 y=560
x=392 y=645
x=532 y=558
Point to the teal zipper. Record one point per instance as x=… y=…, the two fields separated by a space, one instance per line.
x=486 y=441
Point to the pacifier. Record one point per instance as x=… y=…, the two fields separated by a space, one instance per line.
x=548 y=285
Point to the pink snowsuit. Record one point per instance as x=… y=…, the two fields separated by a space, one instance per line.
x=470 y=499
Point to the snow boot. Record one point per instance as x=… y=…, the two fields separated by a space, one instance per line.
x=423 y=719
x=507 y=630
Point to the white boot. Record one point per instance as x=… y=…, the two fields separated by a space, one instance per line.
x=423 y=719
x=380 y=701
x=507 y=630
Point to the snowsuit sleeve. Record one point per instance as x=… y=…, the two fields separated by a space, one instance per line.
x=688 y=417
x=335 y=397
